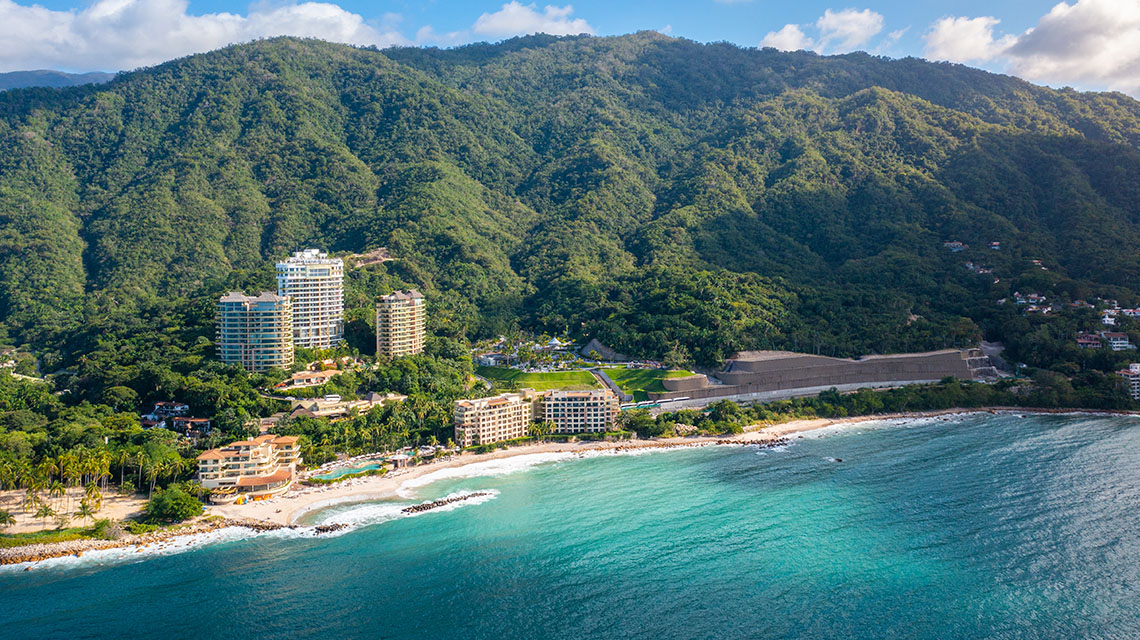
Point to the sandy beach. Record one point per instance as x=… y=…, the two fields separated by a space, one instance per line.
x=287 y=508
x=284 y=511
x=115 y=507
x=300 y=500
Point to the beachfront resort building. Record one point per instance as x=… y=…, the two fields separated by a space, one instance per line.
x=1131 y=375
x=255 y=331
x=400 y=324
x=314 y=283
x=248 y=469
x=502 y=417
x=580 y=411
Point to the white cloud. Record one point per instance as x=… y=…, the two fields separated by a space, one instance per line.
x=789 y=38
x=839 y=32
x=1086 y=43
x=123 y=34
x=426 y=35
x=965 y=40
x=849 y=29
x=515 y=19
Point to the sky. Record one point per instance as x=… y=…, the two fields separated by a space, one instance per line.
x=1086 y=44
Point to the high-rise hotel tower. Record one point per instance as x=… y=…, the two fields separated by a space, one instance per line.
x=314 y=283
x=400 y=324
x=255 y=331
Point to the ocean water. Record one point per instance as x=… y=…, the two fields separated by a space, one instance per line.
x=972 y=526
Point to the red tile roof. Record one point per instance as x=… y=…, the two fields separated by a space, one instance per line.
x=253 y=481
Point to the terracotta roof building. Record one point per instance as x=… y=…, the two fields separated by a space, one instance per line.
x=255 y=468
x=580 y=411
x=502 y=417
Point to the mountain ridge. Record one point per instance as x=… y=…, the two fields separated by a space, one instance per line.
x=664 y=196
x=50 y=78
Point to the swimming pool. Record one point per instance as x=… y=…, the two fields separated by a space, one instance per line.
x=337 y=474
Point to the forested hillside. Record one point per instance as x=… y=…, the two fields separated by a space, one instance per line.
x=666 y=197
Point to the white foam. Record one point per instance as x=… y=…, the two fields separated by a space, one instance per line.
x=488 y=469
x=368 y=513
x=170 y=546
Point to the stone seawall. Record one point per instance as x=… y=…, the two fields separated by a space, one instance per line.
x=686 y=383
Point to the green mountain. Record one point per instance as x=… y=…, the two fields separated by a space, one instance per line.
x=667 y=197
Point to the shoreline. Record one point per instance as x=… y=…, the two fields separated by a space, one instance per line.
x=284 y=512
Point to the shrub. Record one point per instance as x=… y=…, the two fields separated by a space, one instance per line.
x=108 y=529
x=139 y=528
x=172 y=505
x=127 y=488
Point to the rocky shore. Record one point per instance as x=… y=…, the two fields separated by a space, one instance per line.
x=45 y=551
x=769 y=443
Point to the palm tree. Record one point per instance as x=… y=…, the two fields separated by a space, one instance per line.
x=31 y=499
x=124 y=458
x=6 y=519
x=154 y=469
x=7 y=475
x=85 y=511
x=105 y=459
x=45 y=511
x=175 y=466
x=57 y=490
x=196 y=489
x=47 y=468
x=94 y=495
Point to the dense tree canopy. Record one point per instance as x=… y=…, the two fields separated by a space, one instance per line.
x=674 y=200
x=649 y=191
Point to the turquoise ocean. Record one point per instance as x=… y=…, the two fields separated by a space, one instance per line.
x=973 y=526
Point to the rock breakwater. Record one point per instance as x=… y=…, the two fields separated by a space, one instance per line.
x=435 y=504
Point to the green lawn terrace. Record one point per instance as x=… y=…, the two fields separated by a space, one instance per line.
x=539 y=381
x=639 y=382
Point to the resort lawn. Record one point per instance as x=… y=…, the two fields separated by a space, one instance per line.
x=539 y=381
x=639 y=382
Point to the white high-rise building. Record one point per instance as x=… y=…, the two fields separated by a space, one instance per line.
x=314 y=283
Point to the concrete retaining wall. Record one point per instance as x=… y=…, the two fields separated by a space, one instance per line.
x=783 y=394
x=762 y=372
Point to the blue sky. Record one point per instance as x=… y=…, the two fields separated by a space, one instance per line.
x=1089 y=44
